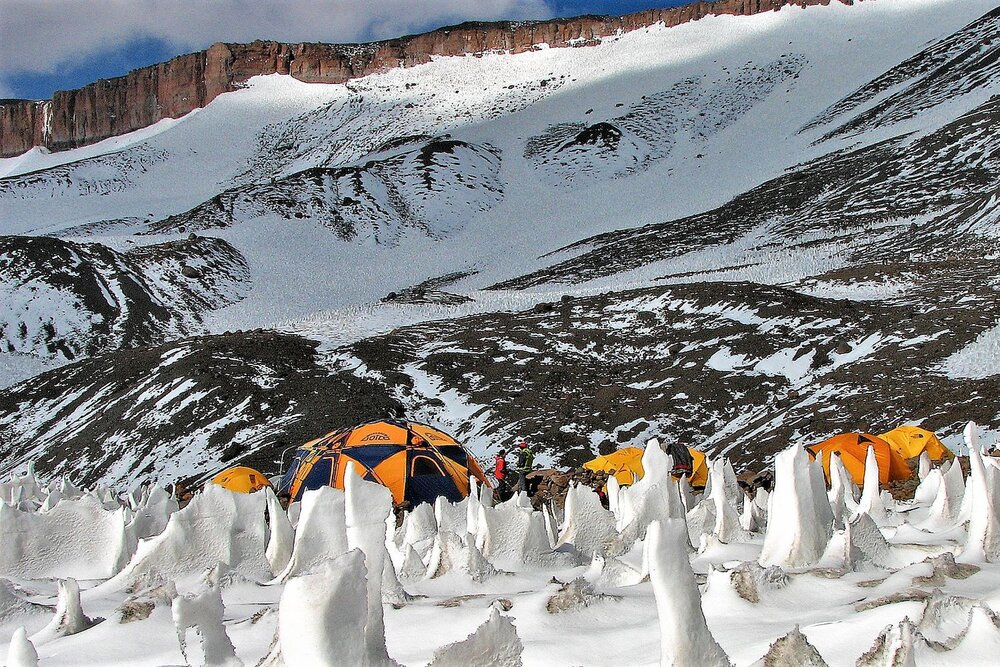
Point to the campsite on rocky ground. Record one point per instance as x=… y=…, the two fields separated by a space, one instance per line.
x=273 y=314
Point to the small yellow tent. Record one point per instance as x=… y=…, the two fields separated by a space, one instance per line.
x=626 y=466
x=911 y=441
x=241 y=480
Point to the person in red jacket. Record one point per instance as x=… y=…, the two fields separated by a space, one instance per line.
x=500 y=474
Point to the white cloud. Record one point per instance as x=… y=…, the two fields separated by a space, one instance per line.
x=6 y=92
x=39 y=36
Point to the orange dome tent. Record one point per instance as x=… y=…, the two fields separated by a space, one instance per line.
x=241 y=480
x=911 y=441
x=853 y=449
x=416 y=462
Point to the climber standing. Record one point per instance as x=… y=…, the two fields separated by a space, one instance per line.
x=500 y=474
x=525 y=464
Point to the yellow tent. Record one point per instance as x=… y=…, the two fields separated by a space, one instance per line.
x=241 y=480
x=626 y=466
x=911 y=441
x=853 y=450
x=699 y=469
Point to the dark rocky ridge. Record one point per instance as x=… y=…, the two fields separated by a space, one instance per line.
x=244 y=397
x=111 y=107
x=738 y=368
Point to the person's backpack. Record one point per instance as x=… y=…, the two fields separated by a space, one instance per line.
x=682 y=457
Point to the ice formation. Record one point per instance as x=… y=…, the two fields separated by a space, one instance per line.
x=203 y=612
x=573 y=595
x=983 y=542
x=419 y=529
x=509 y=533
x=216 y=527
x=49 y=544
x=13 y=604
x=281 y=536
x=69 y=618
x=21 y=652
x=587 y=525
x=865 y=544
x=929 y=485
x=944 y=506
x=800 y=520
x=350 y=584
x=727 y=521
x=684 y=635
x=323 y=616
x=843 y=492
x=494 y=643
x=792 y=650
x=451 y=553
x=871 y=495
x=321 y=531
x=654 y=497
x=451 y=517
x=612 y=572
x=367 y=506
x=152 y=510
x=923 y=465
x=413 y=567
x=752 y=582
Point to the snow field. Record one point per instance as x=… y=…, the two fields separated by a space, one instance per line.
x=979 y=359
x=666 y=577
x=278 y=126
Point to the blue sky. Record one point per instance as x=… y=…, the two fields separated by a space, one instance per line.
x=49 y=45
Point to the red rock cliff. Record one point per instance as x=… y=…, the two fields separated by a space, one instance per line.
x=111 y=107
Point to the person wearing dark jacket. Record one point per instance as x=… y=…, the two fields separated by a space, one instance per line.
x=525 y=464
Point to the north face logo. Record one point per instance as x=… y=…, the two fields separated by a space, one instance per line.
x=373 y=437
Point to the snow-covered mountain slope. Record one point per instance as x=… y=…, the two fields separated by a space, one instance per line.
x=844 y=151
x=931 y=194
x=69 y=299
x=964 y=62
x=433 y=185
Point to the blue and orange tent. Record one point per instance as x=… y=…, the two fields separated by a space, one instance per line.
x=416 y=462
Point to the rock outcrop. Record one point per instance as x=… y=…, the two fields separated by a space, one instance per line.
x=110 y=107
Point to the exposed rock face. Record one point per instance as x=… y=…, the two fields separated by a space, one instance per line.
x=22 y=125
x=111 y=107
